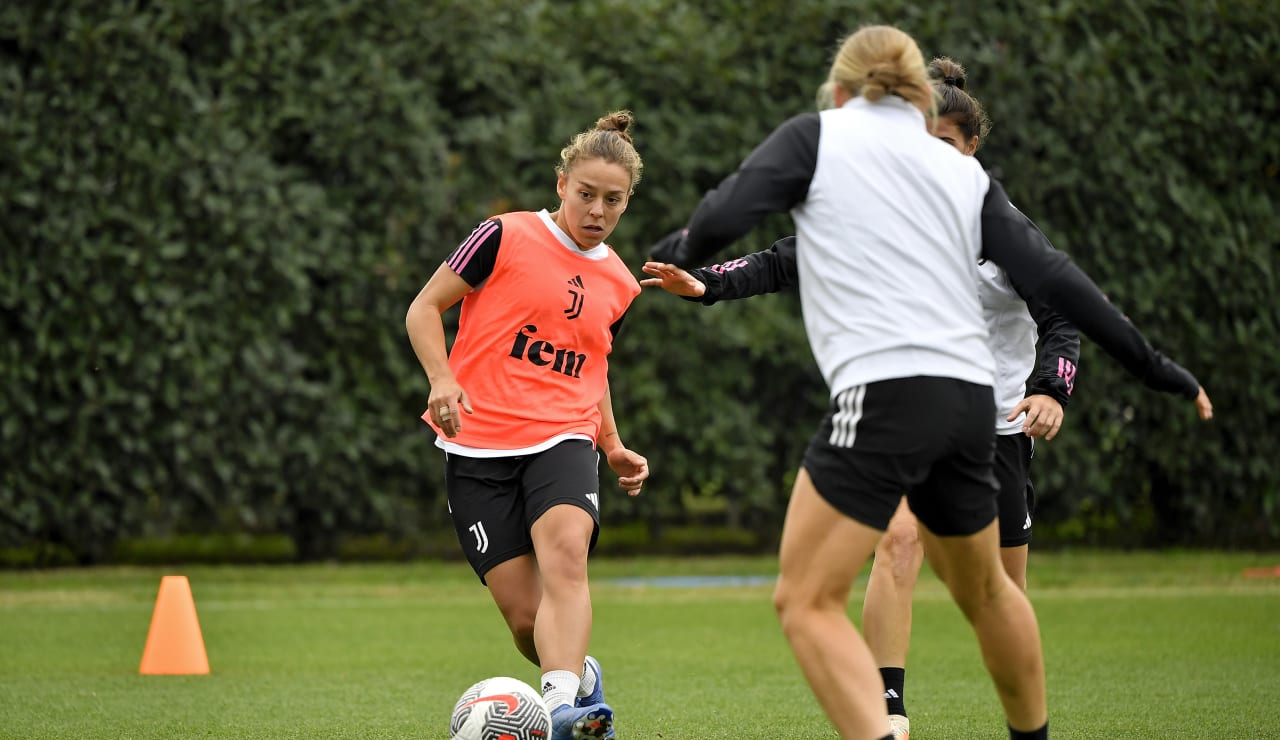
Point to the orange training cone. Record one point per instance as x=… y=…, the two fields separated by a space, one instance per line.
x=174 y=643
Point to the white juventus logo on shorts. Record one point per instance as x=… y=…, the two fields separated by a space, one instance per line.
x=844 y=422
x=482 y=537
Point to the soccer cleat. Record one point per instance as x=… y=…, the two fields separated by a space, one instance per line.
x=593 y=722
x=596 y=696
x=901 y=727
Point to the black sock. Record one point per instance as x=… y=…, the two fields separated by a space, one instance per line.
x=1040 y=734
x=894 y=678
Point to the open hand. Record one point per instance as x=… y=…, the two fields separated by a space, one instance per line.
x=672 y=279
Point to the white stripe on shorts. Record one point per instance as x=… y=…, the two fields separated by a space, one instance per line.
x=844 y=423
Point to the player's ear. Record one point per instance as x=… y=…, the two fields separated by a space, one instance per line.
x=839 y=95
x=562 y=185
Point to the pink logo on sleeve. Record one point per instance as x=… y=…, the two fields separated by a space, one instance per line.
x=727 y=266
x=1067 y=371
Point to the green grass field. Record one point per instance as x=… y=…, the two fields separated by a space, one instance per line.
x=1152 y=645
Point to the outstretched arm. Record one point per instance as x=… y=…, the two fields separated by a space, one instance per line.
x=1043 y=273
x=767 y=271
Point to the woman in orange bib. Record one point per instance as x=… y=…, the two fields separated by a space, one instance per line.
x=521 y=408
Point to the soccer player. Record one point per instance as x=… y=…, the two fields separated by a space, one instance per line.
x=891 y=223
x=543 y=297
x=1022 y=412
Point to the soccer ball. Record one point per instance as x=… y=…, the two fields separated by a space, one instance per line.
x=500 y=708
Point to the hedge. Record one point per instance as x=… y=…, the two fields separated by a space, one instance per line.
x=215 y=214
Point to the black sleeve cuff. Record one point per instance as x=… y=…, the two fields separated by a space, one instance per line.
x=1052 y=386
x=1170 y=377
x=714 y=283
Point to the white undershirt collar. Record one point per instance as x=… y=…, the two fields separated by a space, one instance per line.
x=597 y=252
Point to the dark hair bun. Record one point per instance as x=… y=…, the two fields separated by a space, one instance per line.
x=948 y=72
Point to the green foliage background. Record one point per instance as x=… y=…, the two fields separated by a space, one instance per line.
x=213 y=216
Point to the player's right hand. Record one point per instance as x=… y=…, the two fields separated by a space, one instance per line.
x=447 y=402
x=672 y=279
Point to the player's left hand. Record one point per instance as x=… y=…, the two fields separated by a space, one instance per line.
x=632 y=469
x=1044 y=416
x=1204 y=407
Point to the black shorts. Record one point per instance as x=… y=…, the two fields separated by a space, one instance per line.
x=930 y=438
x=1017 y=495
x=494 y=501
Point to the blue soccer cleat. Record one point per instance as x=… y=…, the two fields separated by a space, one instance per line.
x=594 y=722
x=596 y=696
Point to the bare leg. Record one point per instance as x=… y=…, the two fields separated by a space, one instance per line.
x=1015 y=564
x=517 y=589
x=1001 y=617
x=886 y=611
x=562 y=629
x=822 y=553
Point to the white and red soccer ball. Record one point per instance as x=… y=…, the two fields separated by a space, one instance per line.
x=500 y=708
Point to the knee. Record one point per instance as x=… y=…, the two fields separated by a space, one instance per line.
x=781 y=597
x=563 y=559
x=785 y=606
x=797 y=608
x=901 y=551
x=975 y=595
